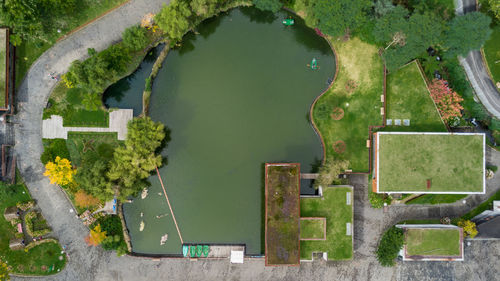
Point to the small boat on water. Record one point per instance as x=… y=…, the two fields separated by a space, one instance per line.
x=199 y=251
x=185 y=250
x=288 y=22
x=144 y=193
x=192 y=251
x=206 y=250
x=141 y=226
x=163 y=239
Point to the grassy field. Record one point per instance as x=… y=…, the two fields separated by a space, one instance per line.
x=408 y=98
x=282 y=214
x=37 y=260
x=80 y=142
x=436 y=199
x=32 y=48
x=333 y=207
x=3 y=66
x=453 y=163
x=312 y=228
x=432 y=242
x=492 y=53
x=356 y=90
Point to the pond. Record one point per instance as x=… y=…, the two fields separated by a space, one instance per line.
x=234 y=96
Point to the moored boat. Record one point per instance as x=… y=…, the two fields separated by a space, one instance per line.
x=185 y=250
x=199 y=250
x=206 y=250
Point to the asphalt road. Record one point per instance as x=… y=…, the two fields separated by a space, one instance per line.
x=475 y=67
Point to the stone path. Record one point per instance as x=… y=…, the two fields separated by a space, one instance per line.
x=53 y=128
x=88 y=263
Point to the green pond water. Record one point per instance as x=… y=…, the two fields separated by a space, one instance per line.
x=234 y=96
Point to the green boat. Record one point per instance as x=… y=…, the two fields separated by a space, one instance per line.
x=206 y=250
x=288 y=22
x=185 y=250
x=199 y=250
x=192 y=251
x=314 y=64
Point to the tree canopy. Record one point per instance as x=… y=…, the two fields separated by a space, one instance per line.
x=174 y=19
x=466 y=33
x=135 y=38
x=268 y=5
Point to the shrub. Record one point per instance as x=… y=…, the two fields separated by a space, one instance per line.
x=268 y=5
x=56 y=147
x=469 y=227
x=376 y=200
x=447 y=101
x=492 y=167
x=389 y=246
x=112 y=225
x=26 y=205
x=135 y=38
x=31 y=223
x=85 y=200
x=330 y=171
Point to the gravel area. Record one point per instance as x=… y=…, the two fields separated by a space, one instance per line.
x=90 y=263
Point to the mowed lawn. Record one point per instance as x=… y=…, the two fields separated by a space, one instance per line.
x=432 y=242
x=408 y=98
x=492 y=53
x=453 y=163
x=312 y=228
x=333 y=206
x=80 y=142
x=356 y=90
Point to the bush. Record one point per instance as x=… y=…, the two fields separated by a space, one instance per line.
x=31 y=223
x=56 y=147
x=377 y=200
x=493 y=168
x=135 y=38
x=112 y=225
x=389 y=246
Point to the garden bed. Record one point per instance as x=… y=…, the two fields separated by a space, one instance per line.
x=282 y=182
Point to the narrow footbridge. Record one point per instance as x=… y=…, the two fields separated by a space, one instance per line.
x=305 y=176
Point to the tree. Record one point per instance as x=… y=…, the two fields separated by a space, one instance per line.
x=92 y=178
x=135 y=161
x=268 y=5
x=330 y=171
x=91 y=101
x=4 y=271
x=84 y=200
x=96 y=236
x=382 y=7
x=389 y=246
x=494 y=7
x=203 y=8
x=135 y=38
x=466 y=33
x=447 y=101
x=339 y=17
x=469 y=227
x=392 y=22
x=60 y=171
x=174 y=19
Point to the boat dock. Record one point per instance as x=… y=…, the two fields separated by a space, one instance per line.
x=224 y=251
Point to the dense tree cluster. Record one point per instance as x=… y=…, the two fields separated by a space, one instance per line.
x=389 y=246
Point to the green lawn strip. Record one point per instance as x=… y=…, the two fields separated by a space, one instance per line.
x=333 y=207
x=359 y=64
x=492 y=53
x=31 y=48
x=282 y=215
x=3 y=66
x=486 y=205
x=86 y=118
x=408 y=98
x=79 y=142
x=312 y=228
x=437 y=199
x=453 y=163
x=432 y=242
x=30 y=262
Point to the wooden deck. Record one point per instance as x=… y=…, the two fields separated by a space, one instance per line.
x=306 y=176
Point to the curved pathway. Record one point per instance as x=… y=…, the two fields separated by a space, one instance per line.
x=475 y=67
x=89 y=263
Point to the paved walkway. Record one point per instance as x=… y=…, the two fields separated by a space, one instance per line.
x=53 y=128
x=475 y=68
x=88 y=263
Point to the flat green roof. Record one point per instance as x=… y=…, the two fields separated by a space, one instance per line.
x=433 y=242
x=429 y=162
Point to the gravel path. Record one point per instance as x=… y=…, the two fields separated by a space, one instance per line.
x=90 y=263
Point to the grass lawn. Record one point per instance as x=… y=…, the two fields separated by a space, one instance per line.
x=282 y=214
x=312 y=228
x=35 y=261
x=486 y=205
x=356 y=91
x=453 y=163
x=492 y=53
x=80 y=142
x=3 y=66
x=32 y=48
x=432 y=242
x=333 y=207
x=437 y=199
x=408 y=98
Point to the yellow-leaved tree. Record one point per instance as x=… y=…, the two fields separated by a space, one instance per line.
x=60 y=171
x=4 y=271
x=96 y=236
x=469 y=228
